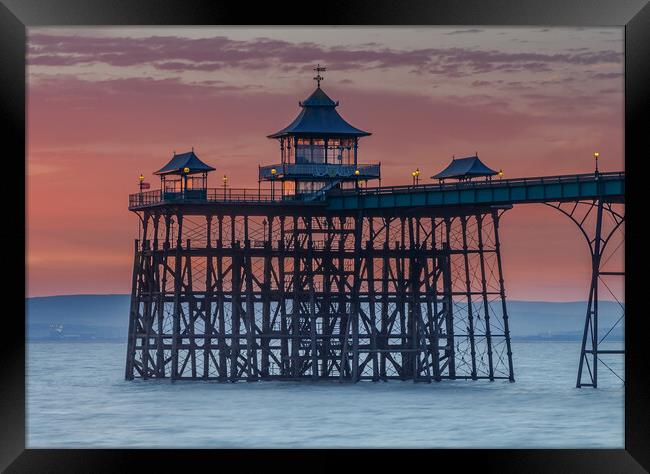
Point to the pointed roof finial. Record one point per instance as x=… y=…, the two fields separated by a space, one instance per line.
x=318 y=77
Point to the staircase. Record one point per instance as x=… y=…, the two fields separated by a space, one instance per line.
x=320 y=194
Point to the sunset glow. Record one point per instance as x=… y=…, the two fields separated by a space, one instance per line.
x=106 y=105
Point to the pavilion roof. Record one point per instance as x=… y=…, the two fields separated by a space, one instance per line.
x=319 y=118
x=467 y=167
x=185 y=160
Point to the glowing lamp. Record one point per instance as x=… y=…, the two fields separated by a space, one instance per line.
x=141 y=178
x=596 y=155
x=225 y=179
x=500 y=173
x=273 y=171
x=186 y=170
x=356 y=172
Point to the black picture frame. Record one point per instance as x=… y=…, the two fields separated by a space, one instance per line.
x=16 y=15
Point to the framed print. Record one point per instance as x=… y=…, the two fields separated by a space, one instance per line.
x=260 y=236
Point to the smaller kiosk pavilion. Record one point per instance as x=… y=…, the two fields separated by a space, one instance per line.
x=184 y=177
x=465 y=169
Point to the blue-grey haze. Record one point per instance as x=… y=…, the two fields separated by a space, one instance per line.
x=102 y=317
x=77 y=397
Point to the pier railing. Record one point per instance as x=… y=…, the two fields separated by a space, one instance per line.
x=235 y=195
x=321 y=170
x=482 y=183
x=158 y=196
x=563 y=188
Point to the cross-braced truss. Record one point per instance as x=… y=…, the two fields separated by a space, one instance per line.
x=345 y=297
x=602 y=225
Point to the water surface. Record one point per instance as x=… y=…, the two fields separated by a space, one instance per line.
x=77 y=397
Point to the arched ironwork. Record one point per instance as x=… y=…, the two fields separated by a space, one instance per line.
x=589 y=217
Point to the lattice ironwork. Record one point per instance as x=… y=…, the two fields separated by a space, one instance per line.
x=345 y=296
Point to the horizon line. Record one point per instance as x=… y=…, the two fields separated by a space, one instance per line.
x=507 y=300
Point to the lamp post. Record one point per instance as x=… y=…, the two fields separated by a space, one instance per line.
x=186 y=171
x=141 y=186
x=225 y=184
x=273 y=173
x=417 y=176
x=356 y=174
x=596 y=155
x=500 y=174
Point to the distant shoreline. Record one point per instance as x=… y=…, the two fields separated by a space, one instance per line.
x=104 y=318
x=123 y=341
x=128 y=295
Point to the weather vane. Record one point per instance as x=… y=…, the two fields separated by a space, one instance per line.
x=318 y=77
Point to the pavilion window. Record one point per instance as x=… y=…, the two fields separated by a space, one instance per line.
x=303 y=150
x=318 y=150
x=339 y=151
x=288 y=188
x=334 y=151
x=309 y=186
x=282 y=151
x=197 y=182
x=310 y=150
x=291 y=151
x=172 y=185
x=286 y=148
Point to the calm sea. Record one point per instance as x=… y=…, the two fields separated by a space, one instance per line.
x=77 y=397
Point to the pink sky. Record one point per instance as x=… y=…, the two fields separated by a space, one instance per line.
x=105 y=104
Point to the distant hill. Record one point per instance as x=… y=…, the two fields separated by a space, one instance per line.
x=85 y=316
x=560 y=321
x=105 y=317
